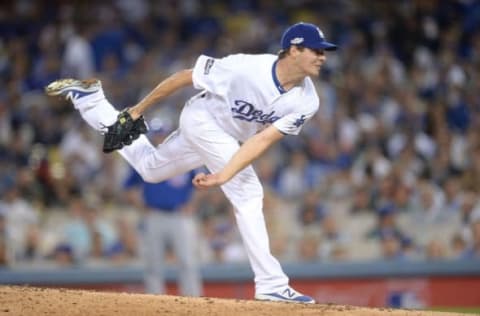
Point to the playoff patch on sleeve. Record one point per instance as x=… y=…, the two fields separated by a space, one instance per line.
x=208 y=66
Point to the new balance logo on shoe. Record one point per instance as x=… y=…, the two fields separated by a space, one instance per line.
x=289 y=293
x=75 y=94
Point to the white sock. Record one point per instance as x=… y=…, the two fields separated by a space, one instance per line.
x=96 y=110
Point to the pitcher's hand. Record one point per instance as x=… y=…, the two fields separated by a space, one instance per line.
x=203 y=181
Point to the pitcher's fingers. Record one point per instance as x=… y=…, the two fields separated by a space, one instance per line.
x=197 y=178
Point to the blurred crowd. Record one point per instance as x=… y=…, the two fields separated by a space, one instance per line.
x=388 y=169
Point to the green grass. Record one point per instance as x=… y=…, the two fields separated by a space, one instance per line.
x=465 y=310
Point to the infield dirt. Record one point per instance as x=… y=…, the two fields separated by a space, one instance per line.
x=34 y=301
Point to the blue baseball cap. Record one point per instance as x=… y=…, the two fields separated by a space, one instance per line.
x=306 y=35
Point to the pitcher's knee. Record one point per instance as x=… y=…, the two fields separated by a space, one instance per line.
x=258 y=195
x=256 y=190
x=147 y=176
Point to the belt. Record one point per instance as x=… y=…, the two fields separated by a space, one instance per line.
x=162 y=210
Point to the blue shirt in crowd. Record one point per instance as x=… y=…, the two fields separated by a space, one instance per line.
x=167 y=196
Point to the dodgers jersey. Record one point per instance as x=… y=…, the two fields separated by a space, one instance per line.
x=245 y=97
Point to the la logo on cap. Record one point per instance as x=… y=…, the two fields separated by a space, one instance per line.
x=307 y=35
x=296 y=40
x=320 y=32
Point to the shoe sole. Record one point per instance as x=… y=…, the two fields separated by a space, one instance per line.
x=268 y=298
x=58 y=87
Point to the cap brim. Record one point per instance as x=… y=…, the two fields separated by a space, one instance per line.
x=326 y=46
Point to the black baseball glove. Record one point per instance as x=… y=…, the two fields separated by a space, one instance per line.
x=123 y=132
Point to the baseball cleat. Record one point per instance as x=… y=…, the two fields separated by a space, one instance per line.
x=73 y=89
x=286 y=295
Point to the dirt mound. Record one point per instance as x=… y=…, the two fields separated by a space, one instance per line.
x=32 y=301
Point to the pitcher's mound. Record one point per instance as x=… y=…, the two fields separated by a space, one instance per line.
x=31 y=301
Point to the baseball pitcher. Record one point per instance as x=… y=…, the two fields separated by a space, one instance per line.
x=254 y=100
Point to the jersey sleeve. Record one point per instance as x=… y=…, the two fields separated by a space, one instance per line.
x=307 y=105
x=213 y=74
x=291 y=124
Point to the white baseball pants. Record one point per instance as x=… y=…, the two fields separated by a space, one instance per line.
x=200 y=141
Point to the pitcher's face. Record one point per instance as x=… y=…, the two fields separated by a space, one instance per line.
x=309 y=61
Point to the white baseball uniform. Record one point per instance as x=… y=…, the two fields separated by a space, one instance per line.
x=240 y=96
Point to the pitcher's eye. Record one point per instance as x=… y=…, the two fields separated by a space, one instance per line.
x=318 y=51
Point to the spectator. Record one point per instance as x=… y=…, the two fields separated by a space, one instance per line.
x=335 y=242
x=63 y=255
x=294 y=178
x=469 y=209
x=429 y=208
x=125 y=248
x=21 y=225
x=77 y=58
x=391 y=246
x=3 y=240
x=76 y=240
x=452 y=190
x=458 y=246
x=308 y=246
x=473 y=250
x=362 y=201
x=168 y=220
x=280 y=222
x=402 y=197
x=78 y=150
x=386 y=224
x=312 y=211
x=436 y=251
